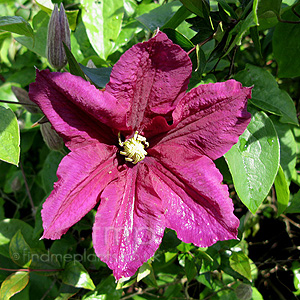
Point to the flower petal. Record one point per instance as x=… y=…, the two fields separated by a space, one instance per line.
x=197 y=206
x=76 y=109
x=82 y=175
x=210 y=119
x=150 y=78
x=129 y=223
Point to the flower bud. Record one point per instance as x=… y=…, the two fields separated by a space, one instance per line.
x=51 y=138
x=244 y=292
x=22 y=96
x=58 y=33
x=90 y=64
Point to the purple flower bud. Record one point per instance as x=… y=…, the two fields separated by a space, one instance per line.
x=22 y=96
x=58 y=33
x=51 y=138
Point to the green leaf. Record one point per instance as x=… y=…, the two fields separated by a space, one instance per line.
x=19 y=250
x=198 y=7
x=80 y=42
x=73 y=64
x=103 y=21
x=48 y=173
x=16 y=25
x=265 y=6
x=159 y=16
x=40 y=285
x=181 y=14
x=256 y=295
x=266 y=95
x=66 y=292
x=286 y=45
x=288 y=147
x=296 y=270
x=40 y=24
x=173 y=292
x=256 y=40
x=124 y=283
x=239 y=262
x=105 y=290
x=99 y=76
x=3 y=36
x=254 y=9
x=8 y=228
x=254 y=161
x=146 y=274
x=238 y=32
x=76 y=275
x=128 y=32
x=179 y=39
x=201 y=60
x=9 y=136
x=289 y=2
x=228 y=9
x=190 y=267
x=47 y=6
x=294 y=207
x=7 y=94
x=143 y=271
x=282 y=191
x=45 y=261
x=267 y=13
x=13 y=284
x=72 y=16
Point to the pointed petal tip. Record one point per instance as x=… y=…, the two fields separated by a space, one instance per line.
x=51 y=235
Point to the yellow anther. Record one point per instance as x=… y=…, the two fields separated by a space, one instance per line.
x=134 y=148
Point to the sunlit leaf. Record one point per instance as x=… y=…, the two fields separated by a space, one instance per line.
x=9 y=136
x=103 y=20
x=239 y=262
x=282 y=191
x=254 y=161
x=159 y=16
x=17 y=25
x=13 y=284
x=76 y=275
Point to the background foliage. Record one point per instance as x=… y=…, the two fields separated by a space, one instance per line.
x=254 y=41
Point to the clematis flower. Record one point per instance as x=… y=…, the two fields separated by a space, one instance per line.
x=143 y=149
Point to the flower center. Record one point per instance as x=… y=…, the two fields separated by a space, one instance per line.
x=134 y=148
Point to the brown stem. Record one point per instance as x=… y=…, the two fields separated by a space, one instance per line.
x=200 y=44
x=295 y=13
x=294 y=10
x=291 y=221
x=287 y=21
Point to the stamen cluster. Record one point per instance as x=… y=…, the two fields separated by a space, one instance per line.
x=134 y=148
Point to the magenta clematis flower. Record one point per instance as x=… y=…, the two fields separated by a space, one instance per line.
x=144 y=149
